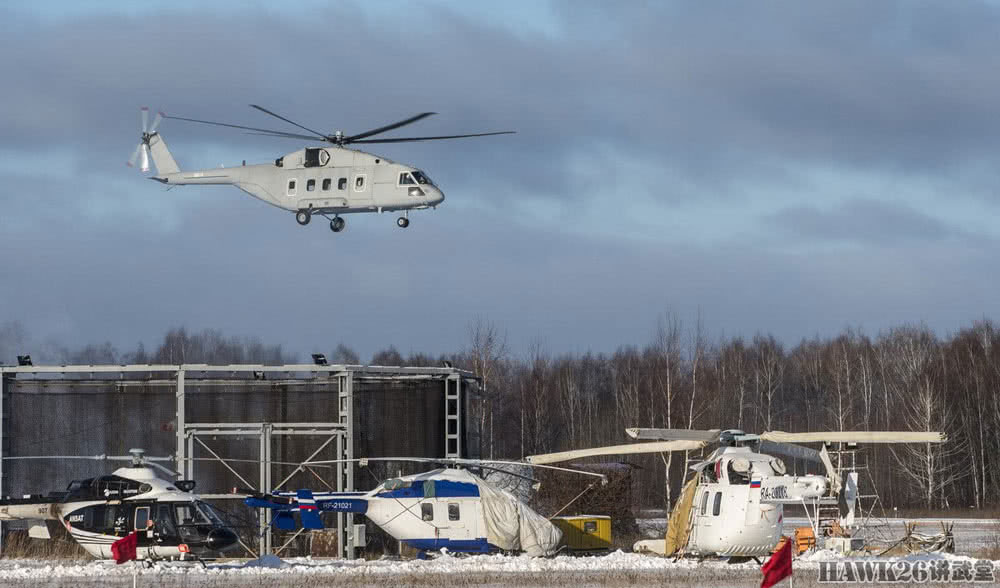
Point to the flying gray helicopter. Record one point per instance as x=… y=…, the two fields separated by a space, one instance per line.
x=327 y=181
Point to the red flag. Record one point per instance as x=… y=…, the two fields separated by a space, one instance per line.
x=123 y=550
x=778 y=567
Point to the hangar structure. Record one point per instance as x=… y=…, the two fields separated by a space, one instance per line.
x=227 y=426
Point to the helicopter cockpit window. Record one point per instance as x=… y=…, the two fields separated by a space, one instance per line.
x=164 y=520
x=421 y=178
x=739 y=471
x=406 y=179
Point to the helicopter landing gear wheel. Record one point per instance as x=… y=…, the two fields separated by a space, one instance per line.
x=402 y=222
x=303 y=217
x=337 y=224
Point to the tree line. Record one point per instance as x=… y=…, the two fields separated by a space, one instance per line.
x=904 y=378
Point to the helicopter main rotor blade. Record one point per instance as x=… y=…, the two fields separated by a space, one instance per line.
x=707 y=435
x=292 y=136
x=633 y=448
x=394 y=125
x=291 y=122
x=218 y=124
x=856 y=437
x=406 y=139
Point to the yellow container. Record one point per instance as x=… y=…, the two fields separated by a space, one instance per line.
x=585 y=532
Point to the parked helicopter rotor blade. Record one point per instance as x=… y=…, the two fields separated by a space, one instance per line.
x=156 y=122
x=144 y=111
x=856 y=437
x=707 y=435
x=790 y=450
x=135 y=155
x=388 y=127
x=292 y=122
x=219 y=124
x=408 y=139
x=633 y=448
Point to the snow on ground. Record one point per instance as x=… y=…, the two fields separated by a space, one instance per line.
x=615 y=569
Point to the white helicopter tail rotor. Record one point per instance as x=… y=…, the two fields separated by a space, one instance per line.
x=141 y=152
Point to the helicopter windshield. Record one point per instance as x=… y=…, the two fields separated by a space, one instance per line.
x=190 y=513
x=421 y=178
x=210 y=512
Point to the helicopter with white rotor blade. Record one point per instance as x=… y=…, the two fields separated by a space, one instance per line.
x=733 y=505
x=329 y=181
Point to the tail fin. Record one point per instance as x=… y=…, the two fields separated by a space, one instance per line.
x=162 y=158
x=308 y=511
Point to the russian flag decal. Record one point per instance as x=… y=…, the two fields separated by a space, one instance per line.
x=755 y=483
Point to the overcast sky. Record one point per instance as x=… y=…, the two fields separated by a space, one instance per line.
x=783 y=167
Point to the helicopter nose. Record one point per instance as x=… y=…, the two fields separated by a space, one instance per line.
x=221 y=539
x=437 y=197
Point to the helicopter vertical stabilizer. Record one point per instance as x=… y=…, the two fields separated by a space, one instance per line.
x=162 y=158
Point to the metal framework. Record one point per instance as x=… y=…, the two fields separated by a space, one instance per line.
x=191 y=436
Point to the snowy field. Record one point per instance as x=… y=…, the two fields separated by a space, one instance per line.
x=616 y=569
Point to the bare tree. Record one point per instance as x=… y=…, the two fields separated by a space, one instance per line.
x=488 y=349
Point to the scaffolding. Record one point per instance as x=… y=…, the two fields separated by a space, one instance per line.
x=351 y=426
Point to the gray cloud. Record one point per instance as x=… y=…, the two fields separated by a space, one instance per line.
x=863 y=221
x=674 y=104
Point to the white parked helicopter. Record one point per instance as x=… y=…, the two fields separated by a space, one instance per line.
x=733 y=506
x=326 y=181
x=170 y=521
x=449 y=509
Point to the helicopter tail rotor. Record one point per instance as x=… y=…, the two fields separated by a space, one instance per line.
x=141 y=152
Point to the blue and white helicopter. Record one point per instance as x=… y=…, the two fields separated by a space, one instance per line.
x=445 y=508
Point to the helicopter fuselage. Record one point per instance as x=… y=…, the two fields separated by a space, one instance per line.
x=322 y=180
x=169 y=522
x=738 y=505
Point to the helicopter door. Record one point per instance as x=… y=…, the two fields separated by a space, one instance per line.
x=359 y=189
x=143 y=524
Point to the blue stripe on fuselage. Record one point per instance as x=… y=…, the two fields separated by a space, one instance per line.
x=454 y=545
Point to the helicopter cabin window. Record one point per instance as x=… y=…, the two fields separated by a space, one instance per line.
x=704 y=503
x=359 y=183
x=342 y=184
x=310 y=185
x=326 y=184
x=406 y=179
x=427 y=511
x=141 y=518
x=291 y=187
x=589 y=526
x=717 y=504
x=453 y=511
